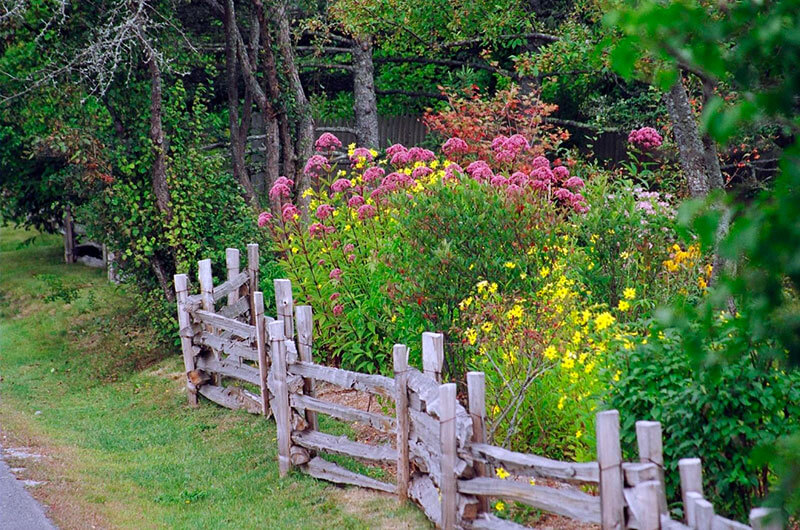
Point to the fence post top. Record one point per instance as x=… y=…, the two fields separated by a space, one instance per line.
x=181 y=282
x=275 y=329
x=613 y=413
x=689 y=462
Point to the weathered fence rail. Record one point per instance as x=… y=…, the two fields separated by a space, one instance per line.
x=442 y=459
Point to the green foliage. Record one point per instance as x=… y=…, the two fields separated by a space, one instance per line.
x=57 y=289
x=719 y=414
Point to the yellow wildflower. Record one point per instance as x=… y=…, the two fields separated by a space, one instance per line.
x=624 y=255
x=578 y=434
x=523 y=275
x=502 y=473
x=603 y=320
x=471 y=335
x=509 y=265
x=544 y=271
x=493 y=288
x=623 y=305
x=629 y=293
x=561 y=401
x=702 y=283
x=487 y=327
x=499 y=506
x=532 y=482
x=550 y=353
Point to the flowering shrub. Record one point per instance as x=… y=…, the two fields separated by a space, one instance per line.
x=481 y=128
x=645 y=138
x=545 y=352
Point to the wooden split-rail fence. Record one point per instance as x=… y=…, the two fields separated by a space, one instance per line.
x=442 y=459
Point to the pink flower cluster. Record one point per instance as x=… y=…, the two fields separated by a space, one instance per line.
x=263 y=219
x=645 y=138
x=327 y=142
x=402 y=156
x=506 y=149
x=316 y=166
x=282 y=189
x=455 y=146
x=361 y=154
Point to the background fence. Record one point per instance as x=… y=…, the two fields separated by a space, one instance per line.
x=442 y=459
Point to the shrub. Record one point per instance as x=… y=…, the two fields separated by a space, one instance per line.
x=719 y=414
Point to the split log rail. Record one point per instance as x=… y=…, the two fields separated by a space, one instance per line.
x=439 y=449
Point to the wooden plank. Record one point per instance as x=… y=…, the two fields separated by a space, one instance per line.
x=227 y=368
x=238 y=329
x=232 y=265
x=425 y=391
x=535 y=466
x=671 y=524
x=322 y=469
x=721 y=523
x=231 y=397
x=447 y=435
x=284 y=304
x=375 y=384
x=69 y=236
x=570 y=502
x=304 y=318
x=704 y=515
x=691 y=473
x=692 y=497
x=261 y=348
x=651 y=451
x=765 y=519
x=646 y=508
x=185 y=325
x=280 y=401
x=636 y=473
x=252 y=281
x=488 y=521
x=342 y=445
x=609 y=459
x=400 y=365
x=235 y=310
x=433 y=355
x=423 y=491
x=343 y=412
x=230 y=287
x=227 y=347
x=426 y=388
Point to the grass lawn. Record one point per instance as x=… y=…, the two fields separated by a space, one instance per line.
x=84 y=384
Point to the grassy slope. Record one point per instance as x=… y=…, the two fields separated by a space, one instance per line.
x=123 y=448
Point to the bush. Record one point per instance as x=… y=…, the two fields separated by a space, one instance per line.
x=719 y=414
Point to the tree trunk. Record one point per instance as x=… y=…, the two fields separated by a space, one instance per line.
x=159 y=175
x=690 y=148
x=304 y=127
x=366 y=105
x=238 y=140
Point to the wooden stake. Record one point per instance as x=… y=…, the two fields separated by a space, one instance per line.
x=280 y=401
x=284 y=304
x=649 y=440
x=703 y=514
x=476 y=388
x=447 y=437
x=609 y=458
x=690 y=507
x=232 y=264
x=261 y=345
x=305 y=332
x=252 y=272
x=400 y=355
x=433 y=355
x=185 y=330
x=647 y=494
x=69 y=236
x=691 y=472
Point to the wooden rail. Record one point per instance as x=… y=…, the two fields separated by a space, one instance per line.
x=443 y=460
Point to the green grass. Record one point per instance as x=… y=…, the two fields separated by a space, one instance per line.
x=125 y=449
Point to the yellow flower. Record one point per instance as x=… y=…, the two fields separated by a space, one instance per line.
x=487 y=327
x=550 y=353
x=496 y=410
x=544 y=271
x=499 y=506
x=624 y=255
x=308 y=193
x=465 y=303
x=481 y=285
x=523 y=275
x=502 y=473
x=561 y=401
x=629 y=293
x=616 y=376
x=394 y=318
x=603 y=320
x=532 y=482
x=568 y=363
x=702 y=283
x=471 y=266
x=493 y=288
x=514 y=312
x=295 y=250
x=509 y=265
x=623 y=305
x=471 y=335
x=576 y=337
x=578 y=434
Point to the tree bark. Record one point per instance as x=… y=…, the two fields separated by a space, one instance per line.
x=365 y=106
x=304 y=126
x=691 y=153
x=232 y=81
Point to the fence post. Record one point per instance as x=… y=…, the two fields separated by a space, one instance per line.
x=691 y=473
x=400 y=355
x=252 y=280
x=284 y=306
x=609 y=458
x=232 y=264
x=690 y=507
x=433 y=355
x=185 y=331
x=261 y=345
x=69 y=236
x=447 y=439
x=647 y=495
x=765 y=519
x=651 y=451
x=280 y=401
x=305 y=332
x=703 y=514
x=476 y=389
x=207 y=300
